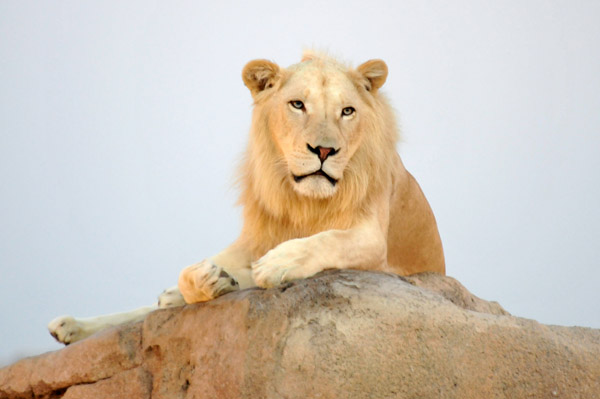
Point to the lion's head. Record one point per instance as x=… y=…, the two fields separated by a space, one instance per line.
x=322 y=142
x=318 y=112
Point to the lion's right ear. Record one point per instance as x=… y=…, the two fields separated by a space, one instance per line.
x=259 y=75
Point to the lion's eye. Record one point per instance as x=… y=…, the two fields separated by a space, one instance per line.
x=297 y=104
x=348 y=111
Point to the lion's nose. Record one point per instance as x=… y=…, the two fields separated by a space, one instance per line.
x=322 y=152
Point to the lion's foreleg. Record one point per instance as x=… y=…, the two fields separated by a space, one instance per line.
x=363 y=247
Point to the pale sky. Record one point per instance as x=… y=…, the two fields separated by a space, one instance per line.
x=121 y=123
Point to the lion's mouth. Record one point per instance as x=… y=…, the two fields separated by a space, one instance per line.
x=319 y=172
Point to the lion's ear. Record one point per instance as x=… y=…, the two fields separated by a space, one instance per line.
x=259 y=75
x=376 y=72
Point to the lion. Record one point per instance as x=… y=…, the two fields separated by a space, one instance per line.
x=322 y=187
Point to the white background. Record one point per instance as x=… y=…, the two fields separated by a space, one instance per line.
x=121 y=123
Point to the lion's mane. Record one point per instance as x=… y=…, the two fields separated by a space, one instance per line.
x=274 y=212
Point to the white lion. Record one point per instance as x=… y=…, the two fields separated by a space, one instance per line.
x=322 y=187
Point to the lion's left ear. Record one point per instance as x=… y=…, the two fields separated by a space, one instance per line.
x=376 y=72
x=259 y=75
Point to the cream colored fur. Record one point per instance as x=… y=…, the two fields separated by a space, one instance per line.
x=361 y=210
x=374 y=217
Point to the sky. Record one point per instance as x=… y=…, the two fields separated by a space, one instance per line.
x=121 y=124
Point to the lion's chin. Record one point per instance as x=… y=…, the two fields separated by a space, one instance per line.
x=315 y=186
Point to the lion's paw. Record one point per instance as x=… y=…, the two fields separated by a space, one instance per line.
x=205 y=281
x=66 y=329
x=288 y=261
x=170 y=297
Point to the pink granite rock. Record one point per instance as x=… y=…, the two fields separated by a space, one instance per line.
x=341 y=334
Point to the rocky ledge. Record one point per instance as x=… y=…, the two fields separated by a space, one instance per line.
x=340 y=334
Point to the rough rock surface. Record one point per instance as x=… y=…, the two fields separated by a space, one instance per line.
x=341 y=334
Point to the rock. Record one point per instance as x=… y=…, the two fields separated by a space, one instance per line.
x=135 y=383
x=97 y=358
x=340 y=334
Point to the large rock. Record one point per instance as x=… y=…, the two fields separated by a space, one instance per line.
x=341 y=334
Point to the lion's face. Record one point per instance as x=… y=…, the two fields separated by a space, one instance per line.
x=315 y=115
x=316 y=120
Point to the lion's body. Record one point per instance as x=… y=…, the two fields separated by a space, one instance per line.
x=322 y=186
x=278 y=213
x=413 y=241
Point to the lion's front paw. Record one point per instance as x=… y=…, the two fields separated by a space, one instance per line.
x=205 y=281
x=66 y=329
x=288 y=261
